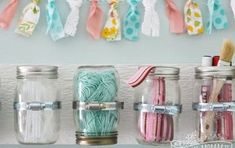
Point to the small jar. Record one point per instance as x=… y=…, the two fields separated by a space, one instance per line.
x=96 y=106
x=157 y=104
x=37 y=105
x=214 y=103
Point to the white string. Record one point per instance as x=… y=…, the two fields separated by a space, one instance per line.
x=37 y=126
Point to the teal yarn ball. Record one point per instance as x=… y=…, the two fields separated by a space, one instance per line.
x=96 y=87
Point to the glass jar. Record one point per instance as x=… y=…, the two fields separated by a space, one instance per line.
x=214 y=103
x=37 y=105
x=157 y=102
x=96 y=105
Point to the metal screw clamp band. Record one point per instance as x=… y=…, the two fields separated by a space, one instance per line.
x=37 y=106
x=77 y=105
x=217 y=107
x=162 y=109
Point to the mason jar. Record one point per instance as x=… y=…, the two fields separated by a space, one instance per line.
x=36 y=105
x=96 y=106
x=157 y=106
x=214 y=103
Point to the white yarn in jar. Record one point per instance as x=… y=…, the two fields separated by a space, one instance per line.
x=37 y=126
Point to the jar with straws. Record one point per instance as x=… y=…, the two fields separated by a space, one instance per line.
x=96 y=106
x=157 y=104
x=37 y=105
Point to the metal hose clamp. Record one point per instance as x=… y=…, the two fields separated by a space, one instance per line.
x=161 y=109
x=77 y=105
x=217 y=107
x=37 y=106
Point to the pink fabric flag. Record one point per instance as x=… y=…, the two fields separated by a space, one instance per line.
x=8 y=13
x=95 y=19
x=175 y=17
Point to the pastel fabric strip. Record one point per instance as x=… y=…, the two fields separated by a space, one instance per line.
x=175 y=17
x=217 y=19
x=232 y=2
x=29 y=19
x=193 y=18
x=8 y=14
x=95 y=20
x=71 y=24
x=112 y=29
x=54 y=25
x=132 y=20
x=151 y=24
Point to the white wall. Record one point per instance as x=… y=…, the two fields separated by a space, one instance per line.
x=166 y=49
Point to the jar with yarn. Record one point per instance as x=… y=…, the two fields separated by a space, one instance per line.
x=157 y=104
x=96 y=106
x=214 y=104
x=36 y=105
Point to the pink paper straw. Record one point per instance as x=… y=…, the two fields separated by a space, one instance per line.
x=152 y=123
x=228 y=117
x=219 y=121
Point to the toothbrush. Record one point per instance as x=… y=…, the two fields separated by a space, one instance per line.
x=205 y=89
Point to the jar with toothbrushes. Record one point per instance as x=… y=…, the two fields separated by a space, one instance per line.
x=157 y=104
x=213 y=98
x=224 y=118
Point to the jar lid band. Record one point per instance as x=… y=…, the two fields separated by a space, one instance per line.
x=88 y=138
x=37 y=106
x=161 y=109
x=50 y=72
x=77 y=105
x=215 y=71
x=84 y=133
x=217 y=107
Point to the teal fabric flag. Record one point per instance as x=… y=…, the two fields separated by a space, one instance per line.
x=132 y=20
x=54 y=24
x=218 y=19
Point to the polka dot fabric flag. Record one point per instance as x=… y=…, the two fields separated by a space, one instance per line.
x=132 y=20
x=218 y=19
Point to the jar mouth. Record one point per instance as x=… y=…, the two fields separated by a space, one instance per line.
x=95 y=66
x=215 y=71
x=37 y=70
